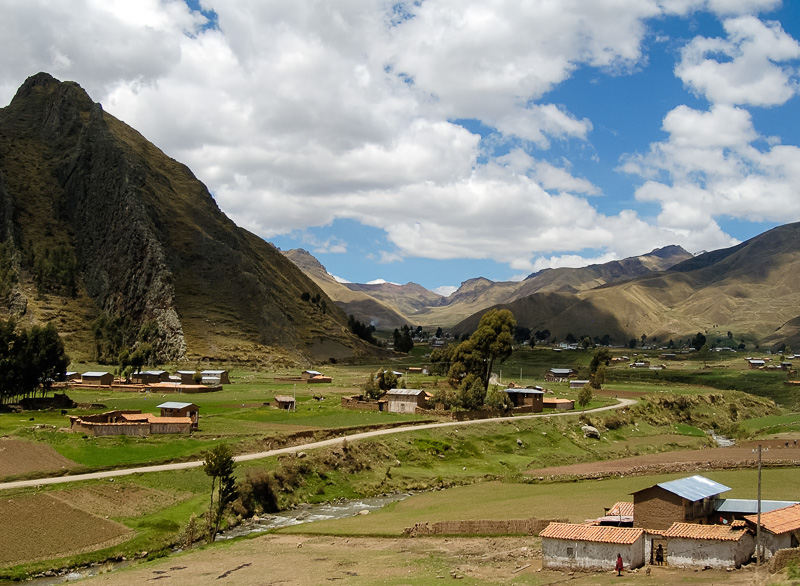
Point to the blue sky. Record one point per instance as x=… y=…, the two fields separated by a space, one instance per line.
x=443 y=140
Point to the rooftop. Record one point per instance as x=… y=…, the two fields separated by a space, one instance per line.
x=693 y=488
x=411 y=392
x=621 y=508
x=712 y=532
x=175 y=405
x=780 y=520
x=595 y=533
x=750 y=506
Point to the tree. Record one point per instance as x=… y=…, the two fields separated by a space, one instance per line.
x=30 y=360
x=584 y=396
x=601 y=356
x=219 y=466
x=491 y=342
x=699 y=340
x=703 y=354
x=598 y=377
x=403 y=341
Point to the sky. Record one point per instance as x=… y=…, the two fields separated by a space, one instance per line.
x=434 y=141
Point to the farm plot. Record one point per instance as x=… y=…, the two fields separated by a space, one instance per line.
x=39 y=527
x=119 y=499
x=21 y=457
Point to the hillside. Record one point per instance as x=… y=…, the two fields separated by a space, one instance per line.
x=751 y=290
x=96 y=220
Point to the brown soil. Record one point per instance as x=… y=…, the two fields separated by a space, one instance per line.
x=21 y=457
x=39 y=527
x=300 y=560
x=119 y=499
x=774 y=453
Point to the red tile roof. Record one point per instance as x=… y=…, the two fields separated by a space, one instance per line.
x=621 y=508
x=715 y=532
x=780 y=520
x=619 y=535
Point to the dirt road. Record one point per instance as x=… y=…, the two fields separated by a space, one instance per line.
x=298 y=448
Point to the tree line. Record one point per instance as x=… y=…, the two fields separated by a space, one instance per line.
x=30 y=360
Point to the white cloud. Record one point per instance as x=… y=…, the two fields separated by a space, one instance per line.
x=445 y=290
x=744 y=68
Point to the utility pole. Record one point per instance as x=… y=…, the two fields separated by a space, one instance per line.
x=758 y=525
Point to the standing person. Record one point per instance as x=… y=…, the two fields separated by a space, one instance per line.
x=620 y=565
x=659 y=555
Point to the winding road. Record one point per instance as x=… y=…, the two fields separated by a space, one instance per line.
x=294 y=449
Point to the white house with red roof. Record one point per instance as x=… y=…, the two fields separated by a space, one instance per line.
x=591 y=547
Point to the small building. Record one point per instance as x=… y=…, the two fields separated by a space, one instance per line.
x=405 y=400
x=308 y=374
x=97 y=378
x=178 y=409
x=578 y=384
x=640 y=364
x=715 y=546
x=756 y=363
x=72 y=375
x=557 y=375
x=690 y=499
x=285 y=402
x=728 y=510
x=558 y=404
x=130 y=423
x=187 y=377
x=147 y=377
x=320 y=378
x=221 y=377
x=619 y=515
x=780 y=528
x=591 y=547
x=532 y=398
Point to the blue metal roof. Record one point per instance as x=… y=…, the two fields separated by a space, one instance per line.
x=750 y=506
x=694 y=488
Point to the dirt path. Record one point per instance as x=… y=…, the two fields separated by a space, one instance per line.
x=774 y=453
x=294 y=449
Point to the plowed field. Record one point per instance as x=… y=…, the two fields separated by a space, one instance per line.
x=39 y=527
x=21 y=457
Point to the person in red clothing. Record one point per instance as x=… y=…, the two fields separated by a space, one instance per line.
x=620 y=565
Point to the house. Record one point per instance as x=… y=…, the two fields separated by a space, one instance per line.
x=217 y=377
x=715 y=546
x=691 y=499
x=558 y=404
x=578 y=384
x=320 y=378
x=187 y=377
x=405 y=400
x=97 y=378
x=178 y=409
x=558 y=375
x=780 y=528
x=147 y=377
x=309 y=374
x=285 y=402
x=756 y=363
x=72 y=375
x=640 y=364
x=130 y=423
x=532 y=398
x=591 y=547
x=619 y=515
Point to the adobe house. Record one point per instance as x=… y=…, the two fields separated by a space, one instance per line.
x=308 y=374
x=178 y=409
x=756 y=363
x=558 y=374
x=285 y=402
x=559 y=404
x=715 y=546
x=187 y=377
x=691 y=499
x=97 y=378
x=221 y=377
x=72 y=375
x=147 y=377
x=591 y=547
x=780 y=528
x=532 y=398
x=405 y=400
x=130 y=423
x=578 y=384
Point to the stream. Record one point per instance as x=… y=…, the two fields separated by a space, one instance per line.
x=302 y=514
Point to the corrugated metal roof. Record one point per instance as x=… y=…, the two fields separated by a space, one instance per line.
x=694 y=488
x=750 y=506
x=525 y=391
x=561 y=370
x=594 y=533
x=713 y=532
x=153 y=372
x=174 y=405
x=780 y=520
x=93 y=373
x=411 y=392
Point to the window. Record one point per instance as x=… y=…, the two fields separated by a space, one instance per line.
x=570 y=552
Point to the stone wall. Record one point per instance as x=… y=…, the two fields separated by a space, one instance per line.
x=530 y=526
x=782 y=558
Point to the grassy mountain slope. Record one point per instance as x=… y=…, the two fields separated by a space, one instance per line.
x=148 y=240
x=752 y=290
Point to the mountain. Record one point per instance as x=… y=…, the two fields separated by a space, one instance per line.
x=751 y=290
x=97 y=221
x=413 y=304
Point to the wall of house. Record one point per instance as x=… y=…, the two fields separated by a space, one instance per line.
x=783 y=558
x=156 y=427
x=403 y=404
x=531 y=526
x=106 y=429
x=656 y=508
x=700 y=553
x=772 y=543
x=586 y=555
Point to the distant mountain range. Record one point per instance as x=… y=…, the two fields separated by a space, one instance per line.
x=95 y=221
x=751 y=290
